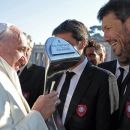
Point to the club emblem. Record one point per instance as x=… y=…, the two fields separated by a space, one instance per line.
x=81 y=110
x=128 y=109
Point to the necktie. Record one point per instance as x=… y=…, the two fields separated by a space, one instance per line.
x=64 y=91
x=120 y=79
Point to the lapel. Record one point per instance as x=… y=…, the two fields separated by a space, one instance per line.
x=126 y=84
x=112 y=66
x=126 y=80
x=85 y=78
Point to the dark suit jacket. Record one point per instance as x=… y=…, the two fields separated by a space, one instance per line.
x=32 y=82
x=92 y=96
x=124 y=113
x=111 y=66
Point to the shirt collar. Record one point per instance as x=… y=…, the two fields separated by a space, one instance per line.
x=126 y=68
x=79 y=69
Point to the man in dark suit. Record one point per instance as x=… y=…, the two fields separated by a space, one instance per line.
x=86 y=103
x=31 y=76
x=115 y=66
x=115 y=17
x=32 y=82
x=95 y=52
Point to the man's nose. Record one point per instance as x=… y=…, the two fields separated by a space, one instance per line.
x=106 y=37
x=23 y=60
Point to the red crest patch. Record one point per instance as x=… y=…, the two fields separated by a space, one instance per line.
x=81 y=110
x=128 y=109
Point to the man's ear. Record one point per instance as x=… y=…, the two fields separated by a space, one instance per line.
x=82 y=44
x=127 y=23
x=101 y=56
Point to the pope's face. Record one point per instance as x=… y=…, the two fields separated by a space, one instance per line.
x=15 y=49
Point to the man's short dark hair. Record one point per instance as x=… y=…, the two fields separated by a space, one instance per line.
x=121 y=9
x=78 y=29
x=91 y=43
x=97 y=46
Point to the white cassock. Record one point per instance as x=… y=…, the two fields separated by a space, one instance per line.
x=15 y=113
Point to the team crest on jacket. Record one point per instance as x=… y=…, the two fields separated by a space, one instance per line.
x=81 y=110
x=128 y=109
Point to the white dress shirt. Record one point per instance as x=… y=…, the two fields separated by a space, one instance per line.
x=126 y=70
x=78 y=71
